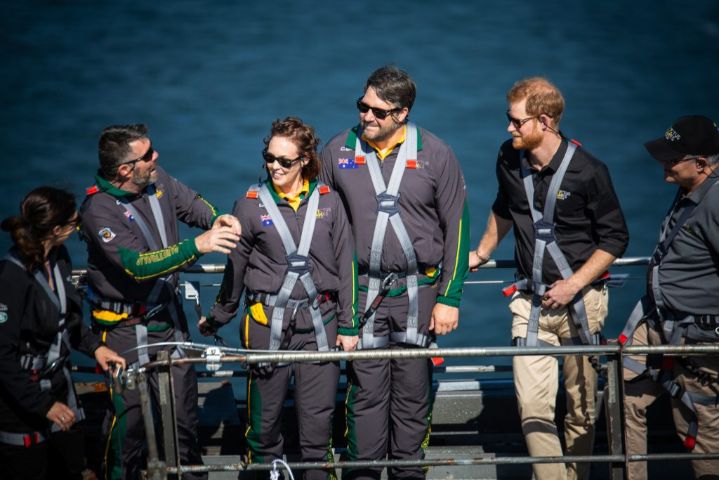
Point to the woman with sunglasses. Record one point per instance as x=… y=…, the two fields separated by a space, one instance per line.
x=40 y=318
x=295 y=262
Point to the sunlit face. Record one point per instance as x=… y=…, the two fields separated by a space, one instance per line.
x=285 y=179
x=376 y=129
x=144 y=171
x=529 y=134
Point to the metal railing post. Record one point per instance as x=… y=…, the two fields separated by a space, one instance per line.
x=167 y=410
x=155 y=467
x=615 y=416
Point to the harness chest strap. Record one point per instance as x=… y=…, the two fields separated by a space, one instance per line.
x=388 y=211
x=297 y=267
x=673 y=328
x=39 y=362
x=153 y=297
x=545 y=240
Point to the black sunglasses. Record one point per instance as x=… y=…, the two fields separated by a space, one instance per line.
x=145 y=158
x=380 y=113
x=284 y=162
x=518 y=123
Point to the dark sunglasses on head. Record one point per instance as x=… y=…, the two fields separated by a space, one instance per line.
x=145 y=158
x=284 y=162
x=380 y=113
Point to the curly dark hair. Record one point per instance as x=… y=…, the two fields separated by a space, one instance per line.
x=302 y=135
x=43 y=209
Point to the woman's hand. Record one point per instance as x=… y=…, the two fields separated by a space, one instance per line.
x=105 y=355
x=347 y=342
x=61 y=415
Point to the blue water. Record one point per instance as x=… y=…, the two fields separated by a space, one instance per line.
x=209 y=77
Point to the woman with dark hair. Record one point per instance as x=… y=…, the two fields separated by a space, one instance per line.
x=40 y=318
x=296 y=262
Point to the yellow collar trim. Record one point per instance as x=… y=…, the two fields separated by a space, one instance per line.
x=382 y=153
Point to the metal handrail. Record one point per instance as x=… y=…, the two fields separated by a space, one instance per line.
x=614 y=403
x=618 y=458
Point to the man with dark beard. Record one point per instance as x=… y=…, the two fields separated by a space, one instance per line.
x=404 y=193
x=568 y=228
x=129 y=222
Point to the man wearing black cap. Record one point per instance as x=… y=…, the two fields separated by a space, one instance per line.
x=682 y=301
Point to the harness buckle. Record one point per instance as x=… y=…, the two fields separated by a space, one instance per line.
x=544 y=231
x=298 y=263
x=388 y=203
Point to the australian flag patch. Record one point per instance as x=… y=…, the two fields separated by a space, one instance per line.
x=266 y=220
x=346 y=163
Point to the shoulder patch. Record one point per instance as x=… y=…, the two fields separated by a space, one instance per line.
x=106 y=234
x=323 y=189
x=92 y=190
x=253 y=192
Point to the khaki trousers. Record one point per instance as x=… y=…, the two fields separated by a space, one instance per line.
x=536 y=380
x=640 y=393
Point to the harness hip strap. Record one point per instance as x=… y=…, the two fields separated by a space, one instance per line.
x=297 y=267
x=388 y=211
x=545 y=239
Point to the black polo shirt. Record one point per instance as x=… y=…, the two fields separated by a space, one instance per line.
x=587 y=216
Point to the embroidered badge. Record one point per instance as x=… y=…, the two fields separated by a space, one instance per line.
x=129 y=216
x=563 y=195
x=323 y=212
x=324 y=189
x=411 y=164
x=106 y=234
x=159 y=193
x=346 y=163
x=345 y=149
x=266 y=220
x=3 y=313
x=671 y=135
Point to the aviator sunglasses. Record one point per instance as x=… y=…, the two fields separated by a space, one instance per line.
x=380 y=113
x=284 y=162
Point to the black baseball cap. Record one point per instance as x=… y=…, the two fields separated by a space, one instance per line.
x=689 y=135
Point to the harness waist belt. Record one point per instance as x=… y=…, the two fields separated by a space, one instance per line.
x=270 y=300
x=704 y=321
x=26 y=440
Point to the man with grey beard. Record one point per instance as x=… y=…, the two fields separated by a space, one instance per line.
x=129 y=222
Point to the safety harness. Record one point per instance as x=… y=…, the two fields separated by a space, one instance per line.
x=152 y=306
x=672 y=325
x=298 y=268
x=42 y=366
x=388 y=211
x=545 y=239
